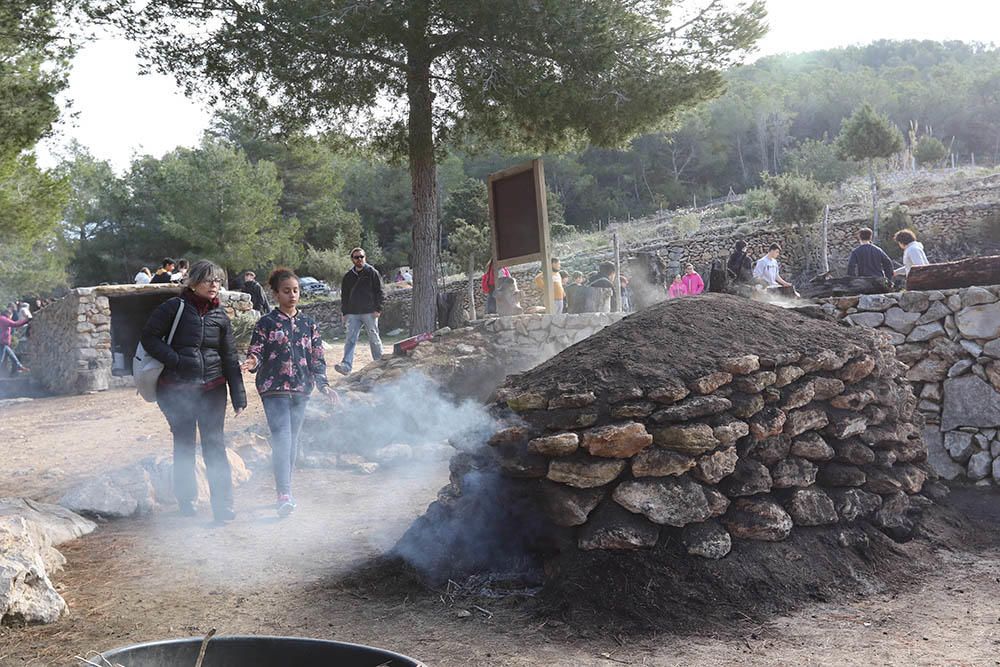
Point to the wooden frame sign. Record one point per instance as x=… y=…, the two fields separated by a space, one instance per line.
x=519 y=220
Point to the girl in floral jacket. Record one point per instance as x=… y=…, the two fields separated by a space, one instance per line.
x=286 y=353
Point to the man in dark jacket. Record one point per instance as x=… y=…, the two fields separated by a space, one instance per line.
x=256 y=292
x=601 y=290
x=165 y=272
x=361 y=300
x=868 y=259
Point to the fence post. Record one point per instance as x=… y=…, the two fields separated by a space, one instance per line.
x=618 y=273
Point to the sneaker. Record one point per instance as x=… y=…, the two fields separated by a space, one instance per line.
x=187 y=508
x=286 y=505
x=226 y=514
x=342 y=369
x=23 y=369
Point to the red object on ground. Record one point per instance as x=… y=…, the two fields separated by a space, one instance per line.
x=407 y=344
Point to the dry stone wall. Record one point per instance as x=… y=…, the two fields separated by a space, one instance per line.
x=950 y=340
x=69 y=349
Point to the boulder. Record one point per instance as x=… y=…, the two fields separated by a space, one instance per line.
x=969 y=401
x=770 y=451
x=811 y=507
x=669 y=394
x=562 y=444
x=717 y=503
x=707 y=384
x=619 y=441
x=712 y=468
x=839 y=474
x=748 y=478
x=793 y=472
x=854 y=452
x=585 y=473
x=580 y=400
x=656 y=462
x=636 y=410
x=746 y=405
x=959 y=445
x=758 y=519
x=853 y=504
x=58 y=524
x=785 y=375
x=813 y=447
x=729 y=431
x=974 y=296
x=982 y=321
x=826 y=388
x=800 y=421
x=855 y=401
x=980 y=466
x=394 y=454
x=528 y=400
x=666 y=501
x=798 y=396
x=936 y=312
x=960 y=367
x=893 y=516
x=116 y=494
x=910 y=477
x=900 y=320
x=692 y=408
x=768 y=422
x=870 y=320
x=611 y=527
x=876 y=302
x=740 y=365
x=708 y=540
x=931 y=369
x=925 y=332
x=566 y=506
x=756 y=383
x=914 y=302
x=690 y=439
x=26 y=593
x=880 y=481
x=857 y=370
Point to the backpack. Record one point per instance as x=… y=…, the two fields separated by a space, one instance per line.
x=146 y=368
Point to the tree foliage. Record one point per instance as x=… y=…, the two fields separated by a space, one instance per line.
x=798 y=200
x=868 y=135
x=929 y=151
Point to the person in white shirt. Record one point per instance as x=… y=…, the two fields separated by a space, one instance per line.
x=144 y=276
x=766 y=269
x=913 y=251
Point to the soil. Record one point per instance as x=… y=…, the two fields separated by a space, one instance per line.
x=680 y=339
x=319 y=574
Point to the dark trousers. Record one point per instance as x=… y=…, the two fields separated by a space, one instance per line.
x=187 y=408
x=285 y=413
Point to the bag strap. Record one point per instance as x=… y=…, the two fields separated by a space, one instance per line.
x=177 y=319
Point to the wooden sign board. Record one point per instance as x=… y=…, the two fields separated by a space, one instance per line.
x=519 y=222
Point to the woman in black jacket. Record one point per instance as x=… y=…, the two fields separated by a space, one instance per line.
x=198 y=364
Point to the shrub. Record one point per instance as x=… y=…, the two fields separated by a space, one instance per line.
x=687 y=224
x=561 y=231
x=759 y=203
x=929 y=151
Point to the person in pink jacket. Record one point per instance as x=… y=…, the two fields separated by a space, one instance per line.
x=692 y=281
x=6 y=352
x=676 y=288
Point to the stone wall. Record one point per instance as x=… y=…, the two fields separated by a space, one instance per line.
x=70 y=347
x=950 y=339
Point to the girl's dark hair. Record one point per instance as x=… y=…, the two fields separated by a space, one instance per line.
x=278 y=275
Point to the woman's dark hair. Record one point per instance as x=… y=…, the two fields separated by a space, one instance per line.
x=904 y=236
x=280 y=275
x=740 y=246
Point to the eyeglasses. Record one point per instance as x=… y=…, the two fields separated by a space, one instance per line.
x=357 y=256
x=212 y=281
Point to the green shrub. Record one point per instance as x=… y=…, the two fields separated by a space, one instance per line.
x=560 y=230
x=890 y=222
x=929 y=151
x=759 y=203
x=687 y=224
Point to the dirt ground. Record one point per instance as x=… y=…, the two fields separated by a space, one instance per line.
x=166 y=576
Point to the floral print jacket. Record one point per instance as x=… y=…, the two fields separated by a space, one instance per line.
x=289 y=353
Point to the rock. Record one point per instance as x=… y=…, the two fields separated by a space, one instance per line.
x=656 y=462
x=689 y=439
x=981 y=321
x=708 y=540
x=974 y=296
x=707 y=384
x=624 y=394
x=672 y=501
x=925 y=332
x=711 y=468
x=585 y=473
x=969 y=401
x=853 y=504
x=770 y=451
x=358 y=463
x=932 y=369
x=620 y=441
x=800 y=421
x=960 y=367
x=892 y=517
x=58 y=524
x=857 y=370
x=26 y=593
x=566 y=506
x=691 y=408
x=880 y=481
x=728 y=432
x=935 y=313
x=900 y=320
x=839 y=474
x=669 y=393
x=740 y=365
x=996 y=470
x=825 y=360
x=826 y=388
x=766 y=423
x=798 y=396
x=854 y=452
x=893 y=337
x=992 y=348
x=793 y=472
x=746 y=405
x=750 y=477
x=394 y=454
x=954 y=303
x=717 y=503
x=785 y=375
x=758 y=519
x=754 y=384
x=638 y=410
x=611 y=527
x=116 y=494
x=980 y=466
x=846 y=425
x=562 y=444
x=528 y=400
x=870 y=320
x=580 y=400
x=993 y=374
x=914 y=301
x=511 y=435
x=855 y=401
x=811 y=507
x=910 y=477
x=813 y=447
x=972 y=347
x=875 y=302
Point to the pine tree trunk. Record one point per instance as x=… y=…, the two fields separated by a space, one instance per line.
x=874 y=187
x=423 y=176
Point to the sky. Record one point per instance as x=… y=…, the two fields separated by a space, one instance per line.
x=119 y=114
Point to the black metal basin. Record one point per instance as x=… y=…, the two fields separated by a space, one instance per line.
x=251 y=651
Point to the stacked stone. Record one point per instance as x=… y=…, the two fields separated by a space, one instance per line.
x=950 y=339
x=751 y=450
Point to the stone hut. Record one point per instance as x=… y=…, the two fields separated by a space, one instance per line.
x=86 y=340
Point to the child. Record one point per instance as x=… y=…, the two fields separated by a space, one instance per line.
x=286 y=353
x=677 y=288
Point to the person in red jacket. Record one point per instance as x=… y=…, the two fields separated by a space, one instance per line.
x=692 y=281
x=6 y=351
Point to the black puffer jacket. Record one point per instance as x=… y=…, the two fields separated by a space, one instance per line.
x=202 y=350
